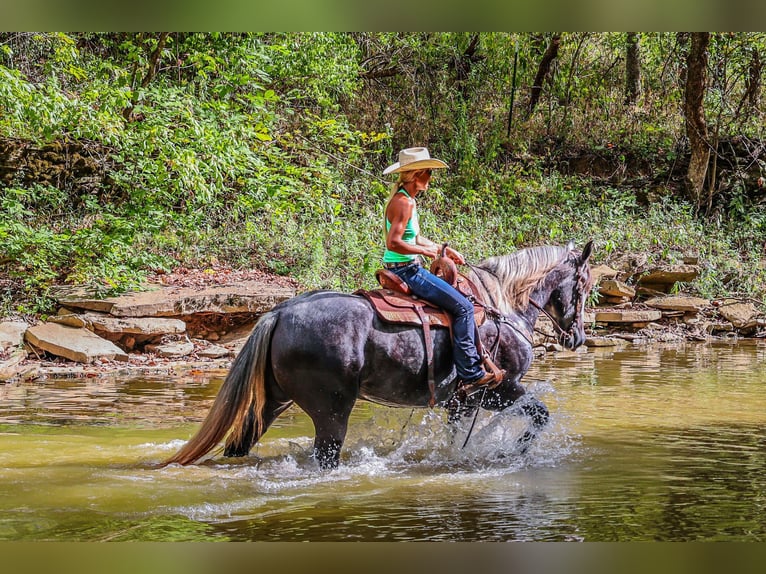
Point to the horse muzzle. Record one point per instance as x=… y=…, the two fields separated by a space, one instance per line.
x=571 y=340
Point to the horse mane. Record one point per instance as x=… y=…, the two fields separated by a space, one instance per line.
x=510 y=278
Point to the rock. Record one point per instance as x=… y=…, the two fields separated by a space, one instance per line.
x=12 y=334
x=76 y=344
x=244 y=297
x=683 y=303
x=602 y=271
x=614 y=288
x=172 y=350
x=741 y=315
x=644 y=291
x=68 y=318
x=714 y=328
x=606 y=301
x=665 y=276
x=149 y=326
x=625 y=316
x=234 y=340
x=10 y=369
x=214 y=352
x=601 y=342
x=553 y=347
x=630 y=263
x=128 y=343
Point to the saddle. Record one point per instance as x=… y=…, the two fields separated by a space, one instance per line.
x=395 y=304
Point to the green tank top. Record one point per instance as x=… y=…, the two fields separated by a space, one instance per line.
x=411 y=231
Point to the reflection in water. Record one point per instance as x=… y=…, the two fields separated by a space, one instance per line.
x=665 y=442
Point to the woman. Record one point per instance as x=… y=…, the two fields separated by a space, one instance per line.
x=404 y=245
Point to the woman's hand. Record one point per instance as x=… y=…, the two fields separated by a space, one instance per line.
x=456 y=256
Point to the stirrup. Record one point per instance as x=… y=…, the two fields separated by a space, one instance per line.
x=491 y=367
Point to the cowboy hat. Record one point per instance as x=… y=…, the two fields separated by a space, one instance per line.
x=414 y=158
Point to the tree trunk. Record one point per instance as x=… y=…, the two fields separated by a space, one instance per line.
x=682 y=47
x=151 y=71
x=463 y=64
x=753 y=82
x=154 y=60
x=632 y=69
x=543 y=70
x=696 y=127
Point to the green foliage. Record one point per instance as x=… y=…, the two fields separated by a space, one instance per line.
x=265 y=150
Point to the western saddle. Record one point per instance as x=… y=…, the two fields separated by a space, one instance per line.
x=395 y=303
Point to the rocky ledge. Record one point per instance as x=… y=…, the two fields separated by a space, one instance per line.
x=196 y=319
x=189 y=316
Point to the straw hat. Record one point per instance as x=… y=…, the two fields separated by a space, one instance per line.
x=414 y=158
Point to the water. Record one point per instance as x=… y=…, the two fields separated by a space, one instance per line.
x=665 y=442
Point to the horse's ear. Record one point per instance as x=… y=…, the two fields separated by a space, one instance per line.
x=570 y=245
x=586 y=251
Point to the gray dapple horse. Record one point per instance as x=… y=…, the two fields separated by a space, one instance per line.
x=323 y=350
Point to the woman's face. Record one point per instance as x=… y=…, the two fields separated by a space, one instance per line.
x=422 y=177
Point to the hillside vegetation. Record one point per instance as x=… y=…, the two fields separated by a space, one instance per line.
x=127 y=154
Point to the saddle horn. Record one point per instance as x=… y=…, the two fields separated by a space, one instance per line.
x=444 y=268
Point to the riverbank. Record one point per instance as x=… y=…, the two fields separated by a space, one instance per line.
x=196 y=320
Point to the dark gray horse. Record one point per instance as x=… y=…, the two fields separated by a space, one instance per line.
x=323 y=350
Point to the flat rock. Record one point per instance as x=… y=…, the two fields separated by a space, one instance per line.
x=12 y=334
x=602 y=271
x=669 y=274
x=153 y=326
x=162 y=301
x=10 y=369
x=614 y=288
x=741 y=315
x=683 y=303
x=172 y=350
x=76 y=344
x=627 y=316
x=214 y=352
x=602 y=342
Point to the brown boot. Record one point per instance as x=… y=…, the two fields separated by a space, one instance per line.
x=485 y=380
x=489 y=380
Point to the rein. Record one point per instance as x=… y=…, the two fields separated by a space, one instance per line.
x=499 y=316
x=562 y=334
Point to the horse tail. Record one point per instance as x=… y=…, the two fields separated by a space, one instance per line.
x=245 y=385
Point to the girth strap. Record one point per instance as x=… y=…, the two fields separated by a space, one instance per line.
x=427 y=339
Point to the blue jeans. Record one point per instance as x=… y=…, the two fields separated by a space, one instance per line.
x=431 y=288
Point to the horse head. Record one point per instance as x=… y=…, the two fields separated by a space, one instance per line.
x=566 y=304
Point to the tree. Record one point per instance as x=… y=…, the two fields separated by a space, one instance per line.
x=551 y=52
x=696 y=127
x=151 y=66
x=753 y=80
x=632 y=69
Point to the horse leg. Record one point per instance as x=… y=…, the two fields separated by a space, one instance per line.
x=461 y=406
x=525 y=405
x=330 y=427
x=328 y=442
x=538 y=415
x=240 y=446
x=329 y=410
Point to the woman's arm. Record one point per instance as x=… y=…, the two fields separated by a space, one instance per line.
x=398 y=213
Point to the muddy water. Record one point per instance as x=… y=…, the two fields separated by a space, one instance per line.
x=666 y=442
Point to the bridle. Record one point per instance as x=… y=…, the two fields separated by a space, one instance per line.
x=578 y=300
x=500 y=317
